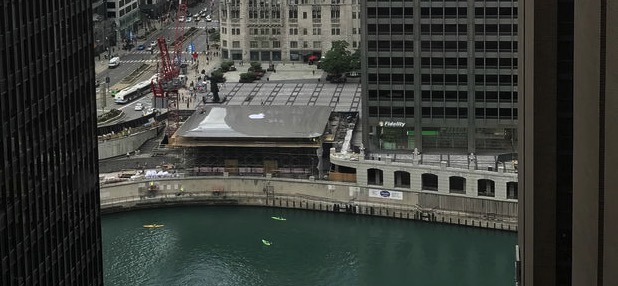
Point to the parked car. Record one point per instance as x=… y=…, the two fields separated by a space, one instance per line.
x=188 y=19
x=141 y=47
x=153 y=43
x=139 y=106
x=208 y=19
x=181 y=19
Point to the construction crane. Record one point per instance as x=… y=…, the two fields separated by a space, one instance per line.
x=165 y=86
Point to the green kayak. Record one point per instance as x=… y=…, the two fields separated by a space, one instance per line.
x=278 y=218
x=266 y=242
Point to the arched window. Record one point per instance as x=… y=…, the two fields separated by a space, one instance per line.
x=375 y=177
x=402 y=179
x=429 y=182
x=457 y=185
x=486 y=188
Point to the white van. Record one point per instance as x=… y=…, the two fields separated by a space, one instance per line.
x=114 y=62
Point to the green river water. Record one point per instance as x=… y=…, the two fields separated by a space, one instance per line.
x=223 y=246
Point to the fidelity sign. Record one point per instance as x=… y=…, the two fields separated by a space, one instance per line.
x=392 y=124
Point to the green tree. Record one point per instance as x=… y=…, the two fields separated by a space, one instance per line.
x=339 y=60
x=355 y=63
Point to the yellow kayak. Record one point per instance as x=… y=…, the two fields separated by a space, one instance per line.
x=153 y=225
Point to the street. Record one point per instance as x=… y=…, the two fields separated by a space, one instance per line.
x=139 y=65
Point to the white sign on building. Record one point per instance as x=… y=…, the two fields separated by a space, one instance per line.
x=384 y=194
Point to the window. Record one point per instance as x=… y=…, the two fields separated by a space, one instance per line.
x=293 y=12
x=265 y=44
x=317 y=45
x=335 y=31
x=293 y=45
x=353 y=15
x=253 y=44
x=305 y=31
x=304 y=15
x=316 y=12
x=276 y=44
x=317 y=31
x=236 y=44
x=429 y=182
x=335 y=12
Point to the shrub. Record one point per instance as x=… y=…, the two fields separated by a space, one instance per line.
x=247 y=77
x=225 y=66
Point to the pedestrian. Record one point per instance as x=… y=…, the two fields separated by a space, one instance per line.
x=313 y=72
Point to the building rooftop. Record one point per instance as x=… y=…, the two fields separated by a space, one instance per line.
x=257 y=124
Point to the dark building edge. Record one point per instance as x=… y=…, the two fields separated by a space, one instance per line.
x=49 y=193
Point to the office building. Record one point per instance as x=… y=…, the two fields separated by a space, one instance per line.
x=126 y=16
x=439 y=76
x=296 y=30
x=568 y=201
x=50 y=230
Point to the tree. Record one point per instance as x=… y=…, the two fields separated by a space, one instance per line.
x=339 y=60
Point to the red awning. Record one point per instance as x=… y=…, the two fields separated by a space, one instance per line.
x=313 y=58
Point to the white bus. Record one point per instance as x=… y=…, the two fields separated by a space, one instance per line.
x=131 y=93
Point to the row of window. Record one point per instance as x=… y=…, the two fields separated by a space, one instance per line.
x=390 y=29
x=442 y=112
x=429 y=182
x=442 y=12
x=439 y=62
x=389 y=12
x=390 y=45
x=441 y=79
x=442 y=95
x=267 y=44
x=277 y=44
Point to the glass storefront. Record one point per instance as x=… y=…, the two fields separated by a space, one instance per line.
x=440 y=138
x=393 y=136
x=499 y=139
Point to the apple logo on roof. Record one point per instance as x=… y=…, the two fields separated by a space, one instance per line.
x=257 y=116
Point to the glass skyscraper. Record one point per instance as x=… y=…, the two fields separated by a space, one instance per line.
x=49 y=192
x=440 y=75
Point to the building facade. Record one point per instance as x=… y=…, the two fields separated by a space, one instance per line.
x=50 y=230
x=126 y=16
x=286 y=31
x=568 y=199
x=439 y=75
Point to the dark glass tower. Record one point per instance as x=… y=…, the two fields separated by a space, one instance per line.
x=440 y=75
x=49 y=193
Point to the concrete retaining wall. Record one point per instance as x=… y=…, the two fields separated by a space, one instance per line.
x=124 y=145
x=315 y=195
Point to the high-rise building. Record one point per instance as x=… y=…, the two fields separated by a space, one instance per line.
x=568 y=201
x=49 y=190
x=440 y=75
x=294 y=30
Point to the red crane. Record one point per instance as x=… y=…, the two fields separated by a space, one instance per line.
x=165 y=87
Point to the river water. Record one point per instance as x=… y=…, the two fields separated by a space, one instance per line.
x=223 y=246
